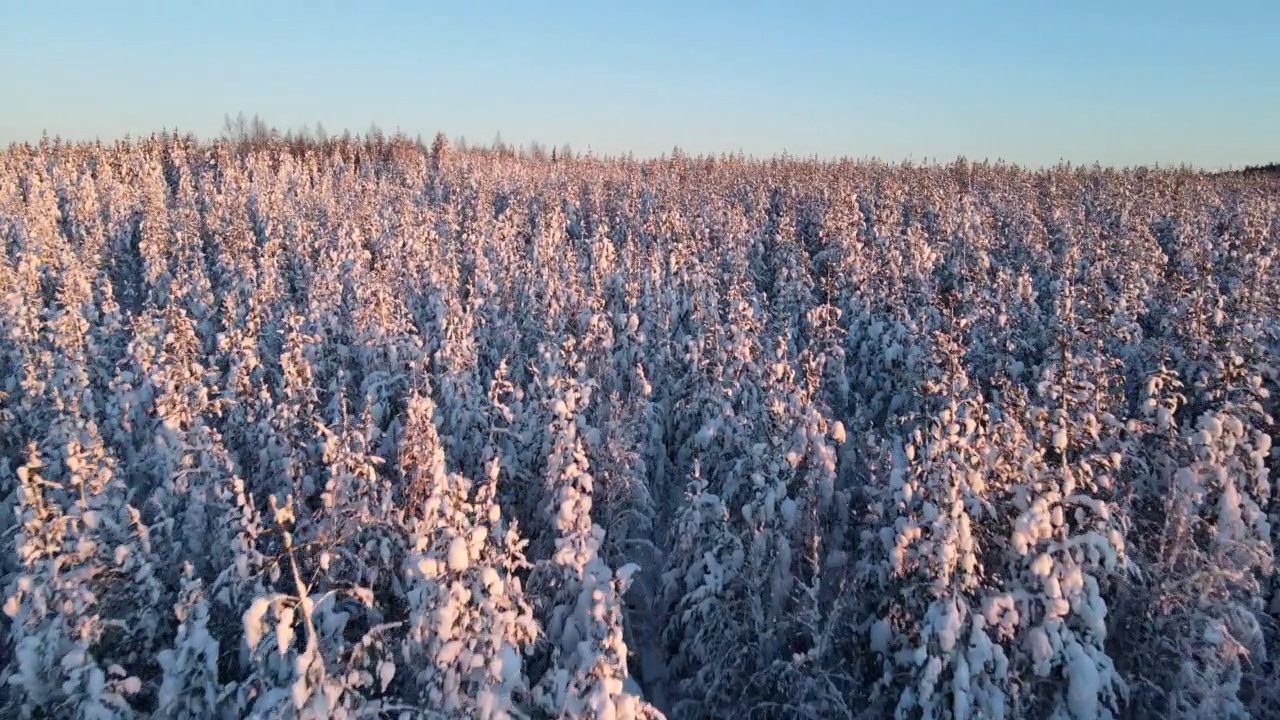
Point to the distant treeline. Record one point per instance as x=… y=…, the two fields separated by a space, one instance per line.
x=1269 y=169
x=255 y=132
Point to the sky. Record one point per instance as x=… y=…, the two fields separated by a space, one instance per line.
x=1120 y=82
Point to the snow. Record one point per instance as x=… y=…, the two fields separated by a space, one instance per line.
x=1060 y=439
x=1043 y=565
x=949 y=625
x=382 y=402
x=284 y=630
x=881 y=636
x=1084 y=684
x=253 y=617
x=838 y=433
x=449 y=652
x=1040 y=650
x=386 y=672
x=458 y=558
x=788 y=509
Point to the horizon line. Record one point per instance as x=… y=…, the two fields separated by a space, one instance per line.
x=528 y=149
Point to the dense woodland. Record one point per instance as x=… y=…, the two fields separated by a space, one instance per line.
x=366 y=429
x=1272 y=170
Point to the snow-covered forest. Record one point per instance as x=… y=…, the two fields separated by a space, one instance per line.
x=364 y=429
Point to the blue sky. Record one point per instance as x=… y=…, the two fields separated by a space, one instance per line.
x=1120 y=82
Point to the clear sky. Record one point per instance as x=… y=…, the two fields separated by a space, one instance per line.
x=1031 y=81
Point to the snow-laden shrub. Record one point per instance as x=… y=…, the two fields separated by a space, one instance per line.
x=468 y=624
x=940 y=624
x=578 y=596
x=304 y=660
